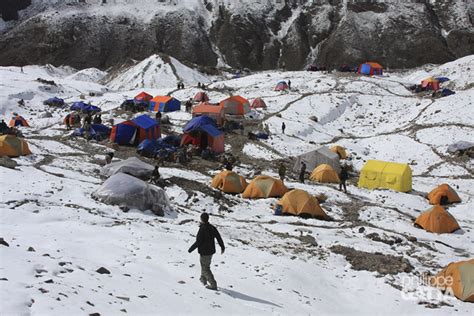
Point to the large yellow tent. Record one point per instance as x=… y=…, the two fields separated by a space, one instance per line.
x=229 y=182
x=377 y=174
x=13 y=146
x=301 y=203
x=458 y=279
x=264 y=187
x=325 y=174
x=437 y=220
x=340 y=151
x=441 y=192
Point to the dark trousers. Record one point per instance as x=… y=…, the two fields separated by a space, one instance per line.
x=342 y=184
x=206 y=273
x=302 y=177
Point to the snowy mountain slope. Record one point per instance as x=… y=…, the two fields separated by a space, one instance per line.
x=272 y=265
x=155 y=72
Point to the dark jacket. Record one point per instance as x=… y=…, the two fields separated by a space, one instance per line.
x=343 y=175
x=205 y=240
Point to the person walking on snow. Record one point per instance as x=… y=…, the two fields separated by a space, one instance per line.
x=282 y=172
x=207 y=248
x=302 y=171
x=289 y=84
x=343 y=176
x=283 y=127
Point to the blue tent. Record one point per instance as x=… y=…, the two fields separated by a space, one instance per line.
x=203 y=123
x=164 y=104
x=96 y=131
x=84 y=107
x=442 y=79
x=135 y=131
x=151 y=148
x=54 y=101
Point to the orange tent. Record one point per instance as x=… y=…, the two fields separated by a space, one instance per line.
x=18 y=121
x=264 y=187
x=258 y=103
x=13 y=146
x=340 y=151
x=143 y=96
x=301 y=203
x=430 y=84
x=229 y=182
x=201 y=97
x=235 y=105
x=458 y=279
x=437 y=220
x=443 y=193
x=324 y=173
x=207 y=109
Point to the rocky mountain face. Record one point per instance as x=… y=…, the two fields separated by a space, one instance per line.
x=254 y=34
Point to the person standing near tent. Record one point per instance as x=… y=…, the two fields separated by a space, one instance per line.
x=108 y=158
x=189 y=105
x=282 y=172
x=67 y=120
x=207 y=248
x=3 y=127
x=302 y=171
x=158 y=117
x=155 y=175
x=283 y=127
x=343 y=176
x=289 y=84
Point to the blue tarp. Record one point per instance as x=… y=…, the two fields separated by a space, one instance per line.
x=84 y=107
x=151 y=148
x=442 y=79
x=365 y=69
x=203 y=123
x=54 y=100
x=144 y=121
x=96 y=131
x=445 y=92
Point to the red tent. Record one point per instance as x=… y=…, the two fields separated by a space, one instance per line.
x=258 y=103
x=143 y=96
x=201 y=97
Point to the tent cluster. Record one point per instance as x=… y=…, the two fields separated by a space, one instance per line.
x=432 y=84
x=293 y=202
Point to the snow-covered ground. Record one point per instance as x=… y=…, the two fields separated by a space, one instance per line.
x=272 y=265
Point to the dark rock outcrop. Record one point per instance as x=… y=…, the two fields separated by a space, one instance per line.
x=293 y=35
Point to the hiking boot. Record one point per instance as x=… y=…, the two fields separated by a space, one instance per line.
x=211 y=287
x=203 y=281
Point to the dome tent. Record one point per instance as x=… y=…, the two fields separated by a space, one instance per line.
x=229 y=182
x=301 y=203
x=264 y=187
x=437 y=220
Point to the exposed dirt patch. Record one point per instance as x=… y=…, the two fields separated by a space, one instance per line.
x=383 y=264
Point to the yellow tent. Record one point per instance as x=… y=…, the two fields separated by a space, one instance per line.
x=264 y=187
x=13 y=146
x=458 y=278
x=324 y=173
x=437 y=220
x=378 y=174
x=340 y=151
x=229 y=182
x=301 y=203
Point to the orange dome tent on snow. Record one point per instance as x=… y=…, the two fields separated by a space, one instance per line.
x=340 y=151
x=457 y=278
x=229 y=182
x=258 y=103
x=235 y=105
x=13 y=146
x=437 y=220
x=264 y=187
x=324 y=173
x=18 y=120
x=201 y=97
x=301 y=203
x=443 y=194
x=430 y=84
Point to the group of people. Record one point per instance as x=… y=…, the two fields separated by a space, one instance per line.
x=343 y=176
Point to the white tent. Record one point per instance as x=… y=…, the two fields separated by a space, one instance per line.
x=317 y=157
x=132 y=193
